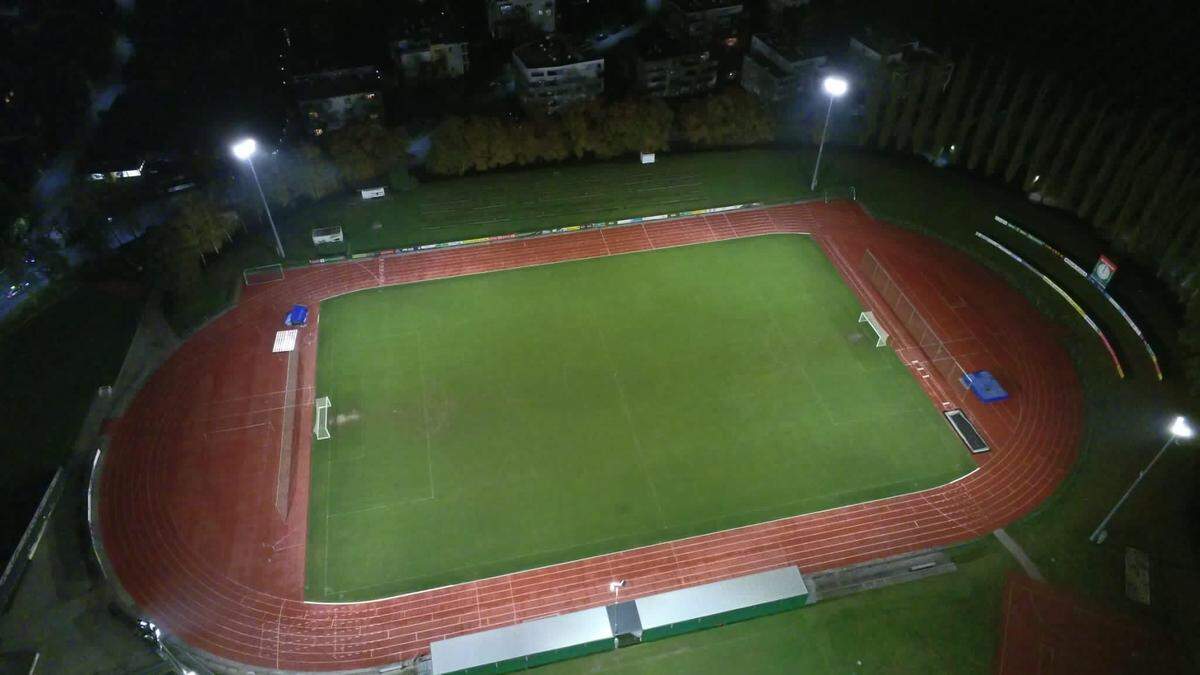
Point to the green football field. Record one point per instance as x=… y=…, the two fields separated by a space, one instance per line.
x=498 y=422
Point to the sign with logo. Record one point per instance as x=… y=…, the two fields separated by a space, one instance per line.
x=1103 y=272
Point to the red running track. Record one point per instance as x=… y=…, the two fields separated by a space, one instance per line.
x=187 y=507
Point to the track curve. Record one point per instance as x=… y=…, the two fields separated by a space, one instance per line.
x=188 y=513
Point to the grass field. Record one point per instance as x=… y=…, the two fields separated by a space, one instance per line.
x=522 y=201
x=493 y=423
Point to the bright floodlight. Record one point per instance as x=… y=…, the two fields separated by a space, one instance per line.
x=835 y=86
x=244 y=149
x=1181 y=429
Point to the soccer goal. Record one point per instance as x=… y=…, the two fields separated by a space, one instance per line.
x=263 y=274
x=881 y=335
x=321 y=419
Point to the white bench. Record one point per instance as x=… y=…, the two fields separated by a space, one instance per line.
x=882 y=334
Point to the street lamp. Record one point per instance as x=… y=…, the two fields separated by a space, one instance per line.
x=835 y=87
x=244 y=150
x=1180 y=429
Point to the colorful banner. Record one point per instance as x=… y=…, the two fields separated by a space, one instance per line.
x=1071 y=301
x=1084 y=273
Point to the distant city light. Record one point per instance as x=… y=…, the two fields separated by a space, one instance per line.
x=835 y=86
x=244 y=149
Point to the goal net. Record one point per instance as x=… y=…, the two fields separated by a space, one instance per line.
x=321 y=419
x=264 y=274
x=881 y=335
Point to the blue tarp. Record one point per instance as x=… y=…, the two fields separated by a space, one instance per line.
x=985 y=386
x=297 y=317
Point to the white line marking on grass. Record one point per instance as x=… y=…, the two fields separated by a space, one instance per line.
x=637 y=441
x=425 y=416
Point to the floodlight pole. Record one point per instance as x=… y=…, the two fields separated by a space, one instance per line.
x=263 y=197
x=1100 y=533
x=821 y=147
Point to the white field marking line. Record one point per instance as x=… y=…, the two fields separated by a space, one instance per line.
x=595 y=542
x=233 y=399
x=361 y=265
x=241 y=428
x=1019 y=553
x=653 y=247
x=646 y=234
x=425 y=416
x=671 y=543
x=975 y=337
x=278 y=633
x=261 y=410
x=328 y=482
x=635 y=548
x=935 y=388
x=378 y=507
x=637 y=441
x=286 y=425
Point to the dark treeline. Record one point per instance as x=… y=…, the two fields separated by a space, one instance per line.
x=1129 y=170
x=597 y=129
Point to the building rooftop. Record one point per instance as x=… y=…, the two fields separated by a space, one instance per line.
x=786 y=47
x=883 y=40
x=553 y=50
x=341 y=82
x=704 y=5
x=658 y=44
x=768 y=64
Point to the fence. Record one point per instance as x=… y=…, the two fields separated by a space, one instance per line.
x=927 y=339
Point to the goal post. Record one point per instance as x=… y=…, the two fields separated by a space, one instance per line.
x=321 y=419
x=881 y=335
x=263 y=274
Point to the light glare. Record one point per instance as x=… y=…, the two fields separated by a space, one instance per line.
x=835 y=86
x=244 y=149
x=1181 y=429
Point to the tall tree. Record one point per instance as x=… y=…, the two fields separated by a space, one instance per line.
x=912 y=97
x=873 y=108
x=448 y=151
x=1118 y=189
x=891 y=112
x=1057 y=173
x=960 y=143
x=1184 y=249
x=1048 y=136
x=205 y=223
x=951 y=113
x=1014 y=114
x=927 y=115
x=981 y=143
x=1034 y=126
x=1098 y=182
x=1157 y=222
x=1083 y=163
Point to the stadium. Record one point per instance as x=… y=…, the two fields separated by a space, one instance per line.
x=472 y=437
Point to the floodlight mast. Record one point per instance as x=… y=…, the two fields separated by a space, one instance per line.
x=1179 y=429
x=244 y=150
x=835 y=87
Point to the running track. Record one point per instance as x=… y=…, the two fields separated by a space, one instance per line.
x=188 y=489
